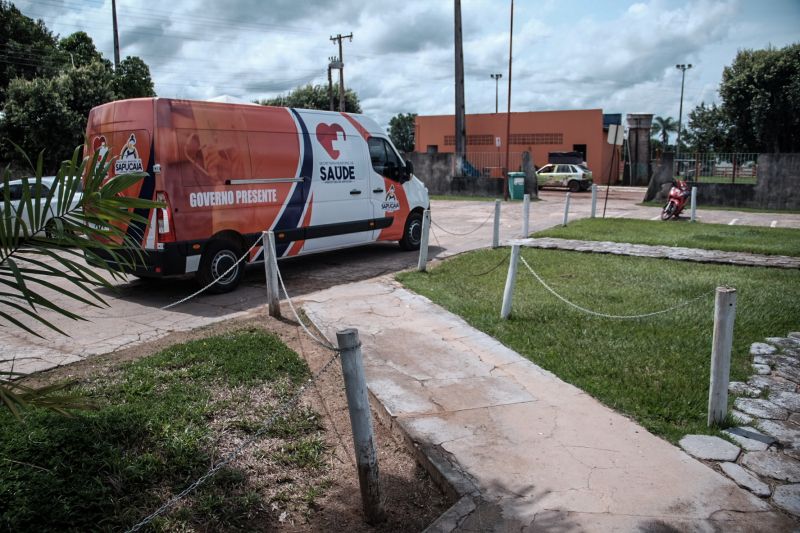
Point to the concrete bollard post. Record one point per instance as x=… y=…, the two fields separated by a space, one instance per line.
x=496 y=232
x=566 y=209
x=511 y=280
x=271 y=272
x=694 y=204
x=526 y=214
x=594 y=199
x=422 y=265
x=355 y=383
x=724 y=317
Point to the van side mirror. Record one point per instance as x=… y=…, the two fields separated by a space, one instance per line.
x=409 y=168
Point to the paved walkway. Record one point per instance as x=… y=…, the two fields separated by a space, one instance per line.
x=524 y=450
x=666 y=252
x=767 y=458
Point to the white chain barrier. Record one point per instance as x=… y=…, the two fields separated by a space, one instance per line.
x=289 y=404
x=326 y=343
x=283 y=409
x=605 y=315
x=482 y=224
x=203 y=289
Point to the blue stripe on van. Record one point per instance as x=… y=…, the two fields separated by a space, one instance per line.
x=290 y=218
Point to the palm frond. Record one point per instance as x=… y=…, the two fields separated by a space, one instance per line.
x=44 y=242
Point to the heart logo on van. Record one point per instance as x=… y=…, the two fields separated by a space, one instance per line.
x=326 y=134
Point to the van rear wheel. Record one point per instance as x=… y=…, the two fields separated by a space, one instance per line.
x=412 y=234
x=217 y=263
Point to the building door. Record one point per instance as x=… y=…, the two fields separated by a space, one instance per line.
x=580 y=148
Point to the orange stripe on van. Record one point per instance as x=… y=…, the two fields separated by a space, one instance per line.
x=364 y=133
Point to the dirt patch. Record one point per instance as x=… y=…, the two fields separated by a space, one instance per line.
x=412 y=500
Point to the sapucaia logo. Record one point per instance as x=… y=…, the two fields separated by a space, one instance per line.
x=390 y=203
x=334 y=171
x=128 y=160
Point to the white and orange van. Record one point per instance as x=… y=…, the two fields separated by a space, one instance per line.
x=226 y=172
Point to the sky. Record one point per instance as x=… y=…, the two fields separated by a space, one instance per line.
x=616 y=55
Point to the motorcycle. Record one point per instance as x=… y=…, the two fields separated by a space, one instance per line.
x=679 y=194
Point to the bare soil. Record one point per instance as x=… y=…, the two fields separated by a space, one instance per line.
x=411 y=499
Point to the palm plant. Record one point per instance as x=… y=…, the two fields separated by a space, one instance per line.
x=40 y=254
x=663 y=126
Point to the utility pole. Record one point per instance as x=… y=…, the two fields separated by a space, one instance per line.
x=461 y=119
x=339 y=38
x=508 y=114
x=496 y=78
x=333 y=63
x=683 y=69
x=116 y=34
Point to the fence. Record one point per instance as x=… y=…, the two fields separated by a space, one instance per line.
x=490 y=164
x=710 y=167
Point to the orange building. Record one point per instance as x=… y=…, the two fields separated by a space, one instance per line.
x=537 y=132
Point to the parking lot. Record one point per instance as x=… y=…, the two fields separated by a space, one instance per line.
x=134 y=313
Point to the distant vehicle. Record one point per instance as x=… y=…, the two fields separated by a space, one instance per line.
x=15 y=189
x=574 y=177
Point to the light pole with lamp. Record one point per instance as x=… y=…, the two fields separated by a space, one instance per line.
x=683 y=68
x=496 y=78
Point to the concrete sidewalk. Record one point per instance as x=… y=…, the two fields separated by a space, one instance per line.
x=523 y=450
x=676 y=253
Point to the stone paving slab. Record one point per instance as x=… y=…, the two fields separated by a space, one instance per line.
x=664 y=252
x=709 y=448
x=537 y=453
x=745 y=479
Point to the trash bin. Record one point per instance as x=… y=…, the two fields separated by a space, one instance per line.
x=516 y=185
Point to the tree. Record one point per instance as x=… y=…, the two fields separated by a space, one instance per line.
x=401 y=131
x=53 y=111
x=49 y=107
x=37 y=114
x=79 y=50
x=709 y=130
x=760 y=95
x=663 y=126
x=132 y=79
x=27 y=48
x=313 y=97
x=36 y=254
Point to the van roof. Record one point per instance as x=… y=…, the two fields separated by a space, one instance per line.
x=369 y=124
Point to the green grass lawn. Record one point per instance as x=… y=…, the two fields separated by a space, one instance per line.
x=753 y=239
x=743 y=180
x=655 y=370
x=159 y=424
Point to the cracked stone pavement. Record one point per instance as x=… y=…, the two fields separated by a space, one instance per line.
x=523 y=450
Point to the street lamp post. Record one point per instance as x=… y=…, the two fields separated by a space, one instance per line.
x=496 y=78
x=683 y=68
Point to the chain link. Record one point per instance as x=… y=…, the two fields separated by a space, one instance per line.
x=604 y=315
x=246 y=254
x=282 y=410
x=482 y=224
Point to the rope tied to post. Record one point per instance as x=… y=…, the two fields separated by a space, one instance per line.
x=606 y=315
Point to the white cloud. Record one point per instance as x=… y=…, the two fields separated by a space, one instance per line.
x=567 y=54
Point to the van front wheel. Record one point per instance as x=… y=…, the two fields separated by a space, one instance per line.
x=412 y=234
x=218 y=263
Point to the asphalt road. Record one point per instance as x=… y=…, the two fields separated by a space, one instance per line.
x=134 y=312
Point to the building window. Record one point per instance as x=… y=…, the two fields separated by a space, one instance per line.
x=472 y=140
x=537 y=138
